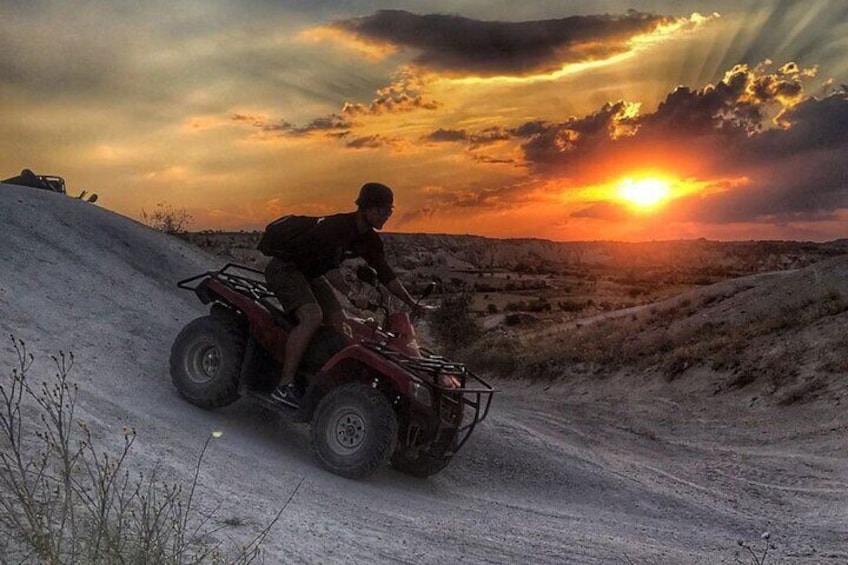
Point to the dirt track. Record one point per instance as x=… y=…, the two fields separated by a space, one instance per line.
x=623 y=470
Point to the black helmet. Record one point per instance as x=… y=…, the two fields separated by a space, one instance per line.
x=374 y=194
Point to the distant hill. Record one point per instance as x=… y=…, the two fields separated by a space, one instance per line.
x=783 y=334
x=469 y=252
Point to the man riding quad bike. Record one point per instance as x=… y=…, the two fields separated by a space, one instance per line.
x=369 y=389
x=303 y=273
x=373 y=394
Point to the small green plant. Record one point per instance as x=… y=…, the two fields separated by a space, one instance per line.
x=65 y=500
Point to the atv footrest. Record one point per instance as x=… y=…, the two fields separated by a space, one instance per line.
x=287 y=412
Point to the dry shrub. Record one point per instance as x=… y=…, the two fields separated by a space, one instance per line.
x=777 y=368
x=168 y=219
x=498 y=356
x=672 y=338
x=63 y=499
x=452 y=322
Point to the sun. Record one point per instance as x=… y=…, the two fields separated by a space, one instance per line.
x=644 y=193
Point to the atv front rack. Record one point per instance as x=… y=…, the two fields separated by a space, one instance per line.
x=473 y=392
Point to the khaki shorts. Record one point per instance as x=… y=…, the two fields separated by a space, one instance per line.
x=293 y=289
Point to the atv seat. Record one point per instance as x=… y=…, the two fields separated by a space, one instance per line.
x=285 y=320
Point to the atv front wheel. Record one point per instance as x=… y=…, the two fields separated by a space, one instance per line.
x=425 y=464
x=354 y=430
x=206 y=361
x=421 y=467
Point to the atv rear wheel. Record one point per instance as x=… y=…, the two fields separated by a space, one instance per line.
x=354 y=430
x=206 y=361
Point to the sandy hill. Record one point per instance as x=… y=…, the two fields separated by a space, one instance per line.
x=782 y=336
x=631 y=470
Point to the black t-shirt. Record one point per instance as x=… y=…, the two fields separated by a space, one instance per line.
x=334 y=239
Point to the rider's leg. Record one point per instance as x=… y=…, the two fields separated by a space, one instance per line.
x=295 y=294
x=326 y=297
x=309 y=318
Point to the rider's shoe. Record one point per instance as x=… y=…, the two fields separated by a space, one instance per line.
x=287 y=395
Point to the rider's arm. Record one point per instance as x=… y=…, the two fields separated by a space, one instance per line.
x=376 y=258
x=397 y=288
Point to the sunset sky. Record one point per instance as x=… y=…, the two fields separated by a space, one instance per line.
x=564 y=120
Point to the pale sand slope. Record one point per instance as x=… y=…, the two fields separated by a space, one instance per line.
x=619 y=471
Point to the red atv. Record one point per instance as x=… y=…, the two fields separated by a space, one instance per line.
x=373 y=395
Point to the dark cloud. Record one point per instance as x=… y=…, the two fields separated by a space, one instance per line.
x=485 y=159
x=403 y=95
x=332 y=125
x=475 y=141
x=245 y=118
x=484 y=137
x=755 y=125
x=531 y=128
x=736 y=105
x=575 y=139
x=813 y=125
x=442 y=135
x=385 y=104
x=462 y=45
x=414 y=215
x=546 y=142
x=808 y=186
x=370 y=142
x=700 y=121
x=482 y=196
x=489 y=135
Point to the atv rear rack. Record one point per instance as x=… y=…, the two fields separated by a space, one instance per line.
x=250 y=286
x=244 y=280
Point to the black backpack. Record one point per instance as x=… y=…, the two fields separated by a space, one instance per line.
x=279 y=239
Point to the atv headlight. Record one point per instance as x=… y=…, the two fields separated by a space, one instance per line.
x=421 y=394
x=449 y=381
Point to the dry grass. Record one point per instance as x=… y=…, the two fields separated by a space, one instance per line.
x=64 y=499
x=675 y=336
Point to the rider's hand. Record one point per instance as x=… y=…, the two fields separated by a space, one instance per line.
x=419 y=310
x=359 y=301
